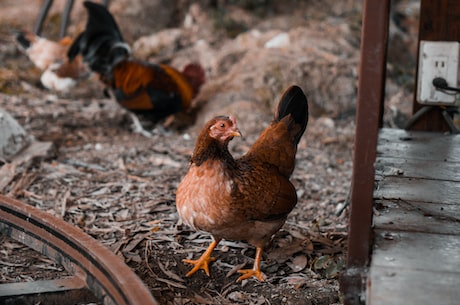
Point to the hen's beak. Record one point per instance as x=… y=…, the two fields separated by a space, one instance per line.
x=236 y=133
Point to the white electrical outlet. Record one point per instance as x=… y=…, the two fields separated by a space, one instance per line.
x=437 y=59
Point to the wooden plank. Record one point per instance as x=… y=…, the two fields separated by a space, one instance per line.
x=397 y=286
x=414 y=189
x=418 y=145
x=417 y=217
x=417 y=251
x=392 y=134
x=420 y=151
x=409 y=168
x=44 y=286
x=71 y=290
x=416 y=255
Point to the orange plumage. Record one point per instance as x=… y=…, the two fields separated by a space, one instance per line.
x=135 y=82
x=247 y=198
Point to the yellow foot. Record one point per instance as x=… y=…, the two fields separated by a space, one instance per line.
x=247 y=273
x=201 y=263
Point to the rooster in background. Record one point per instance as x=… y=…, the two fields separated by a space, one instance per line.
x=59 y=74
x=248 y=198
x=153 y=90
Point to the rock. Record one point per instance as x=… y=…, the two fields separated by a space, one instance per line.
x=279 y=41
x=13 y=137
x=155 y=44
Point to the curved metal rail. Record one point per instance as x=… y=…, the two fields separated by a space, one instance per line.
x=93 y=265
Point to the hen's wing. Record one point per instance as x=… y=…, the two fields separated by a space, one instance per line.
x=265 y=170
x=263 y=193
x=277 y=145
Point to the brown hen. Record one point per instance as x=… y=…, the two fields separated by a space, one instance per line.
x=247 y=198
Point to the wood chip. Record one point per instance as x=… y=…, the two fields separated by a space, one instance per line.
x=235 y=269
x=169 y=273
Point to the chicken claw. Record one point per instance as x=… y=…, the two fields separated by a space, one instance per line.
x=255 y=271
x=203 y=261
x=247 y=273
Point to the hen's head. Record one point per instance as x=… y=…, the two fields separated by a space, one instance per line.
x=212 y=142
x=223 y=128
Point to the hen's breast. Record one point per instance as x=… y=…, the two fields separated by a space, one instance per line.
x=202 y=197
x=250 y=205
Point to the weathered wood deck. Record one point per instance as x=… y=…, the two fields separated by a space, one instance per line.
x=416 y=252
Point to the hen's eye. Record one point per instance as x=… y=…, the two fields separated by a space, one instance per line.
x=222 y=125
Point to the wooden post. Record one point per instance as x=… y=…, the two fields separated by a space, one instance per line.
x=371 y=86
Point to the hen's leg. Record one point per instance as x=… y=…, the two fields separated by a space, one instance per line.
x=137 y=125
x=255 y=271
x=203 y=261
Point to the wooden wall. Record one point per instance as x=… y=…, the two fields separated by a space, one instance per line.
x=439 y=21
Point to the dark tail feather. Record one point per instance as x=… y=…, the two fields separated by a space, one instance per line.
x=101 y=21
x=101 y=44
x=294 y=102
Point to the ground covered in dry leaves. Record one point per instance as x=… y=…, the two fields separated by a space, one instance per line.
x=119 y=186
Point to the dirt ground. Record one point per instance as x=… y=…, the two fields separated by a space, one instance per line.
x=119 y=186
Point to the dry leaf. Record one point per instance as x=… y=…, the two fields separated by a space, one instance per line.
x=298 y=263
x=169 y=273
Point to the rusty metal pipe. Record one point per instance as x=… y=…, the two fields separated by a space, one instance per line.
x=65 y=18
x=41 y=16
